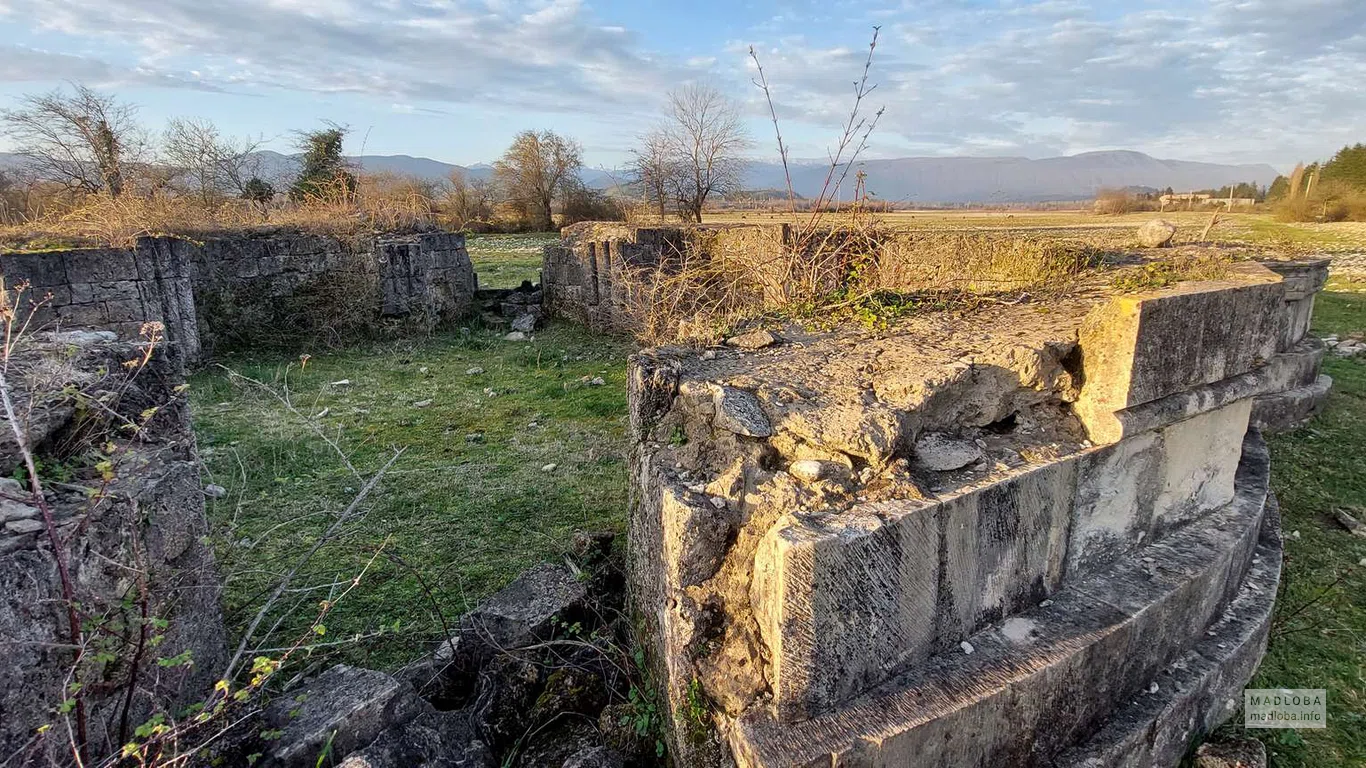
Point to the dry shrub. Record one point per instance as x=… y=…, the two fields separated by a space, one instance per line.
x=711 y=279
x=118 y=221
x=385 y=202
x=1169 y=271
x=379 y=202
x=977 y=262
x=1119 y=201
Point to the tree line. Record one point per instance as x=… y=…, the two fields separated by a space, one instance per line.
x=1331 y=191
x=80 y=145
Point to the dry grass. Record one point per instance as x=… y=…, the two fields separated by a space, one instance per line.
x=710 y=280
x=374 y=205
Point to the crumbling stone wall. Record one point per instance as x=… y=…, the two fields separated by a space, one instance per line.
x=592 y=276
x=228 y=290
x=609 y=275
x=978 y=539
x=131 y=534
x=113 y=289
x=1297 y=391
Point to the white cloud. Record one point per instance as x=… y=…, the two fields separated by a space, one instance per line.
x=1232 y=80
x=1221 y=79
x=544 y=55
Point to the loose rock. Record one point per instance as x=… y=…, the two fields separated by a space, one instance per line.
x=1349 y=348
x=521 y=613
x=594 y=757
x=22 y=527
x=1243 y=753
x=1156 y=233
x=515 y=336
x=345 y=707
x=215 y=491
x=941 y=453
x=446 y=739
x=752 y=340
x=1352 y=524
x=808 y=470
x=738 y=411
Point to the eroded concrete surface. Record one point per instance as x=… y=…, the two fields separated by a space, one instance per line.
x=849 y=547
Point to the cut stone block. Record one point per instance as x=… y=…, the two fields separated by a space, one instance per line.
x=845 y=601
x=1046 y=678
x=1303 y=278
x=1130 y=492
x=1280 y=411
x=1137 y=349
x=1201 y=689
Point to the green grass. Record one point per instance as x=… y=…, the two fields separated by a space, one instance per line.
x=1319 y=636
x=504 y=261
x=465 y=515
x=468 y=516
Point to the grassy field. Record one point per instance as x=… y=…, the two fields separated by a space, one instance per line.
x=1257 y=228
x=469 y=503
x=467 y=506
x=504 y=261
x=1319 y=636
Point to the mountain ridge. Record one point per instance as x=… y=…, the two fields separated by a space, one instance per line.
x=906 y=180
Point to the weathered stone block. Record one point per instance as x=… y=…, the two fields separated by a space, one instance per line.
x=88 y=293
x=40 y=270
x=1040 y=681
x=1303 y=278
x=1137 y=349
x=100 y=265
x=1299 y=316
x=82 y=316
x=844 y=601
x=345 y=707
x=1280 y=411
x=1130 y=492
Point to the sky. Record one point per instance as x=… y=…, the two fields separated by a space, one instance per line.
x=1244 y=81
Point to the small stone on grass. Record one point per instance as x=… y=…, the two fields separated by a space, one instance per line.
x=752 y=340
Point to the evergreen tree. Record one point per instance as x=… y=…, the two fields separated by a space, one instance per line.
x=1348 y=166
x=260 y=192
x=1278 y=188
x=323 y=170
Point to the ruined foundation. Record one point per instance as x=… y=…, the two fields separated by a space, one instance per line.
x=131 y=533
x=223 y=292
x=1026 y=535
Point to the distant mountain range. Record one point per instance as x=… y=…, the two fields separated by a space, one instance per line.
x=910 y=180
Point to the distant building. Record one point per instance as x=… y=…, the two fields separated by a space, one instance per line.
x=1234 y=202
x=1185 y=197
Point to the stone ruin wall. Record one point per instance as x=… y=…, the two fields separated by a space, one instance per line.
x=223 y=291
x=595 y=276
x=151 y=519
x=608 y=275
x=974 y=541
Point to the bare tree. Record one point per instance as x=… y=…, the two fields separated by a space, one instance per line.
x=704 y=141
x=653 y=170
x=84 y=140
x=467 y=199
x=216 y=166
x=534 y=170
